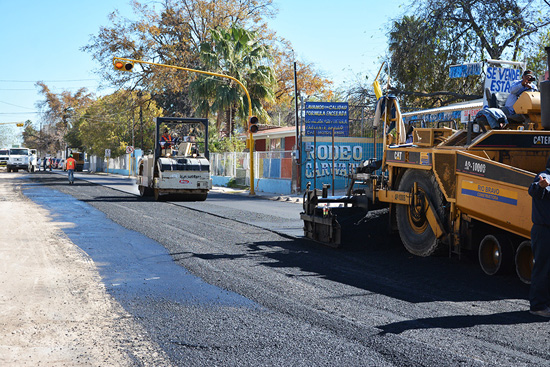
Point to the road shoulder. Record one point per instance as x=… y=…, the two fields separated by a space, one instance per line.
x=55 y=310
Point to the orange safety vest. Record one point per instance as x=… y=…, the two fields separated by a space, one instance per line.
x=166 y=139
x=71 y=163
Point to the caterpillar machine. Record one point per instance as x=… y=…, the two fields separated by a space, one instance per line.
x=177 y=167
x=450 y=189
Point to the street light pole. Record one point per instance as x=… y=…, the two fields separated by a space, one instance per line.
x=139 y=95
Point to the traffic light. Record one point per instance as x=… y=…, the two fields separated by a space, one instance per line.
x=122 y=65
x=20 y=124
x=253 y=124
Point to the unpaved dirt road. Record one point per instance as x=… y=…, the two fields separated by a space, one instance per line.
x=54 y=310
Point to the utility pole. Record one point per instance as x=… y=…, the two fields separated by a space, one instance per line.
x=140 y=94
x=298 y=140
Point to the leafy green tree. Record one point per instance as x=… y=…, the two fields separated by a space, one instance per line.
x=170 y=35
x=310 y=82
x=421 y=54
x=538 y=60
x=238 y=53
x=224 y=144
x=31 y=137
x=59 y=113
x=113 y=122
x=498 y=28
x=445 y=32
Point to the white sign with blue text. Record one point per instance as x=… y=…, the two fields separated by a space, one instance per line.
x=500 y=80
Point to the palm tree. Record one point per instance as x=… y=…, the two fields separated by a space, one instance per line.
x=238 y=53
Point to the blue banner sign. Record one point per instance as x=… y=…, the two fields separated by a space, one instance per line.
x=323 y=117
x=434 y=117
x=464 y=70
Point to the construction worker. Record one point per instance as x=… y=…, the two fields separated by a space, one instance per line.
x=71 y=165
x=165 y=140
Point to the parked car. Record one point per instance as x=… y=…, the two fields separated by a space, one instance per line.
x=4 y=154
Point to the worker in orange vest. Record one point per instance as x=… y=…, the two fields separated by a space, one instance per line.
x=165 y=141
x=71 y=165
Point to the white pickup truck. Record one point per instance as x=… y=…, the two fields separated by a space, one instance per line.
x=21 y=158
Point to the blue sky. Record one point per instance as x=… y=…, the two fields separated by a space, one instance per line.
x=41 y=40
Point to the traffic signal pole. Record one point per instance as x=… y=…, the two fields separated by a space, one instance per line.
x=18 y=124
x=119 y=65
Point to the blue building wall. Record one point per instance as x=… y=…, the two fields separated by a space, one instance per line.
x=348 y=155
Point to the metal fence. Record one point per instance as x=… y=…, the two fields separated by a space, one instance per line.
x=275 y=164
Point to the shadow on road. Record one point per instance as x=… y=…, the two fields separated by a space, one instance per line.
x=461 y=321
x=373 y=260
x=376 y=261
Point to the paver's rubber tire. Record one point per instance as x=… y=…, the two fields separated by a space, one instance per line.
x=145 y=191
x=415 y=231
x=524 y=261
x=496 y=254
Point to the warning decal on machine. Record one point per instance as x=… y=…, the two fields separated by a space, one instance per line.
x=489 y=192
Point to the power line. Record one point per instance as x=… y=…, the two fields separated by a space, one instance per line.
x=19 y=113
x=53 y=88
x=45 y=81
x=11 y=104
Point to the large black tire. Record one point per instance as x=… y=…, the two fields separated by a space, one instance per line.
x=415 y=231
x=524 y=261
x=496 y=254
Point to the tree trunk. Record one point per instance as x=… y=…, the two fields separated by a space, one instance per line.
x=219 y=119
